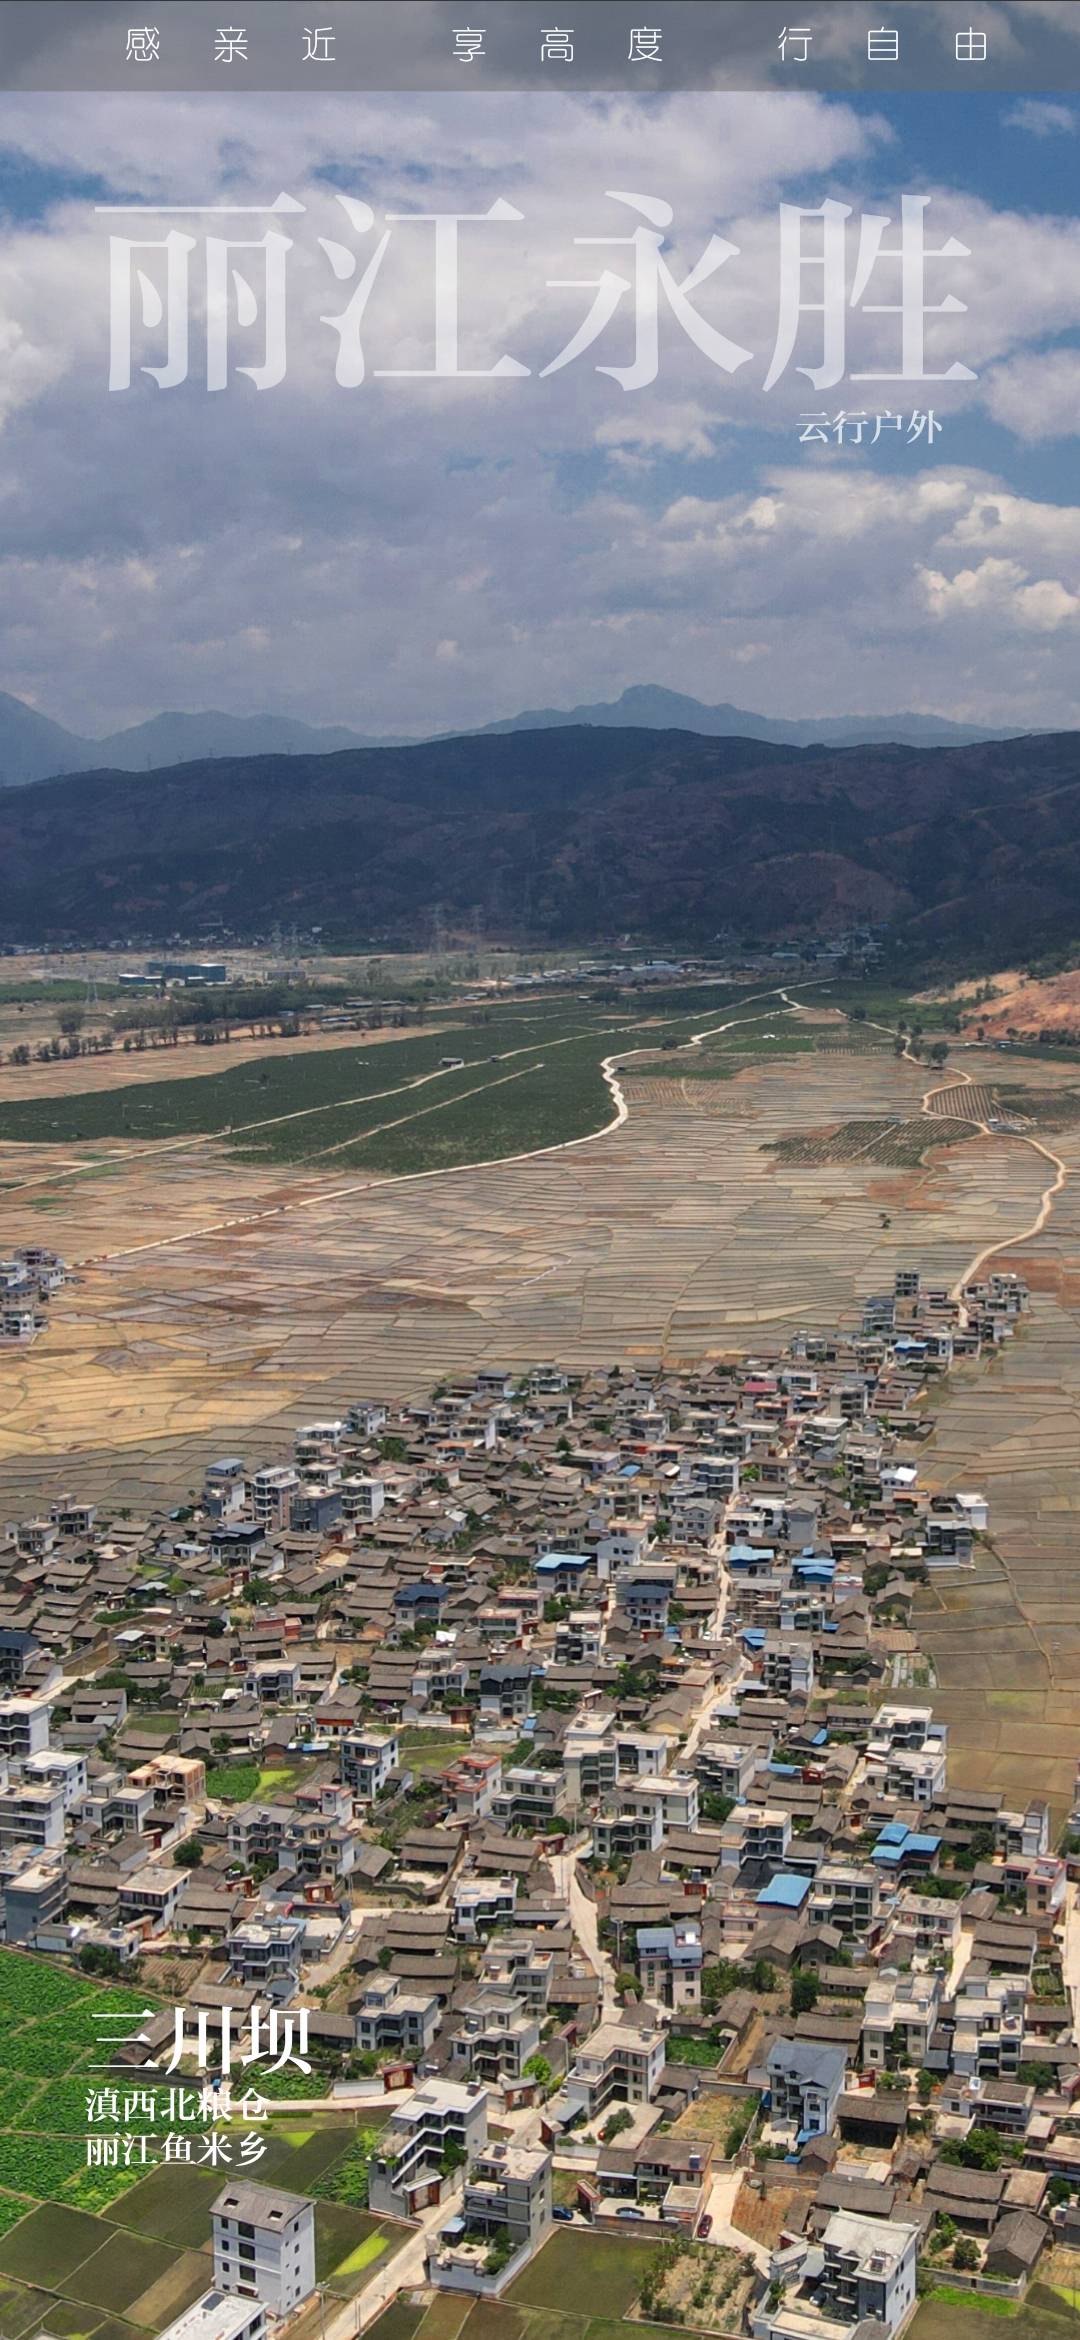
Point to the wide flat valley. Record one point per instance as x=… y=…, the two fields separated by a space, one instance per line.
x=216 y=1303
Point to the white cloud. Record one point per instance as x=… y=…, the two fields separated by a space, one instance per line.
x=1043 y=117
x=1037 y=395
x=410 y=556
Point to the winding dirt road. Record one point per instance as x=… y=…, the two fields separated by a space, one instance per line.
x=1017 y=1137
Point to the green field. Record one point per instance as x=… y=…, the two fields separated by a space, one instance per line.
x=430 y=1751
x=601 y=2273
x=530 y=1078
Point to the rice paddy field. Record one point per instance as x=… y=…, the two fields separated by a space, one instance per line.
x=218 y=1299
x=953 y=2314
x=599 y=2273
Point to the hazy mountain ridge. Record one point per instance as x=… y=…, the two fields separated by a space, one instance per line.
x=650 y=706
x=563 y=836
x=33 y=747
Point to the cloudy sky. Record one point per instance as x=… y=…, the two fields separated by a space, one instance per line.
x=405 y=554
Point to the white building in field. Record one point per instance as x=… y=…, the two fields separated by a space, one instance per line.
x=264 y=2245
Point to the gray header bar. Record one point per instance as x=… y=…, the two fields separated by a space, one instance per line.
x=847 y=46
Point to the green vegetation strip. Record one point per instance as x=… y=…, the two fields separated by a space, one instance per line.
x=527 y=1079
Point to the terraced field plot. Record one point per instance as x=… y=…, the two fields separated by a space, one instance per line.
x=1043 y=1109
x=900 y=1144
x=220 y=1301
x=447 y=2318
x=1005 y=1639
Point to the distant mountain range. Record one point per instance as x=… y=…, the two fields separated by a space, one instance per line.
x=32 y=747
x=647 y=706
x=570 y=835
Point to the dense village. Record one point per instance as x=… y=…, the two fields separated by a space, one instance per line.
x=558 y=1753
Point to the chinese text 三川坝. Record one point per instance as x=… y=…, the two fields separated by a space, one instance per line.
x=132 y=2123
x=835 y=271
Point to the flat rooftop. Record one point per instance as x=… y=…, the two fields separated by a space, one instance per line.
x=216 y=2316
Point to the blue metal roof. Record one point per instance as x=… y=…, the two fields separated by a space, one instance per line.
x=897 y=1843
x=784 y=1892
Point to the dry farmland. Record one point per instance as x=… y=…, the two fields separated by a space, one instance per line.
x=218 y=1301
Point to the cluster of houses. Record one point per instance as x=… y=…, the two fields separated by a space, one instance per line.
x=564 y=1745
x=28 y=1279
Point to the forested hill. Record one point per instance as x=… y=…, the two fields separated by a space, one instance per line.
x=562 y=835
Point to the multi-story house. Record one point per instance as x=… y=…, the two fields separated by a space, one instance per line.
x=910 y=1775
x=443 y=2124
x=470 y=1785
x=506 y=1692
x=24 y=1728
x=900 y=2012
x=695 y=1516
x=806 y=2082
x=507 y=2202
x=268 y=1951
x=481 y=1903
x=33 y=1815
x=931 y=1926
x=984 y=2028
x=590 y=1756
x=362 y=1500
x=154 y=1891
x=225 y=1488
x=643 y=1596
x=674 y=1794
x=514 y=1962
x=622 y=2060
x=641 y=1754
x=846 y=1897
x=579 y=1638
x=495 y=2038
x=787 y=1665
x=714 y=1477
x=670 y=1960
x=34 y=1895
x=368 y=1759
x=272 y=1493
x=623 y=1830
x=53 y=1768
x=529 y=1797
x=722 y=1767
x=391 y=2019
x=868 y=2271
x=755 y=1832
x=257 y=1831
x=264 y=2245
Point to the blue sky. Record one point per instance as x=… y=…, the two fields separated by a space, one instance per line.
x=405 y=554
